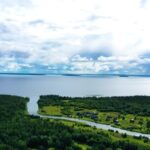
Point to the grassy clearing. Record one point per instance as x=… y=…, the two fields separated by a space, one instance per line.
x=51 y=110
x=83 y=146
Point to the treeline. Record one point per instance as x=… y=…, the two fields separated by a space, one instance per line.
x=139 y=105
x=19 y=131
x=11 y=106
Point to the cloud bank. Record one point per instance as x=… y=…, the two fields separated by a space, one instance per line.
x=75 y=36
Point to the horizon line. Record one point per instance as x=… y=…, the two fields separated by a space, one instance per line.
x=73 y=74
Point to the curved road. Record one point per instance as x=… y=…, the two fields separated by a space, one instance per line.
x=90 y=123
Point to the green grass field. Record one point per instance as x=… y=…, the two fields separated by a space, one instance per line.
x=51 y=110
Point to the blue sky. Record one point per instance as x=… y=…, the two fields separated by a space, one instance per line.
x=75 y=36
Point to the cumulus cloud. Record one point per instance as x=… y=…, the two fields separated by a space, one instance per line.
x=75 y=36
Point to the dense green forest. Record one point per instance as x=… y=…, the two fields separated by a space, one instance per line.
x=131 y=105
x=11 y=106
x=19 y=131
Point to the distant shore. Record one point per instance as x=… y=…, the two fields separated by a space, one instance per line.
x=77 y=75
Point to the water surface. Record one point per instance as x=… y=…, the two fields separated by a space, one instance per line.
x=35 y=85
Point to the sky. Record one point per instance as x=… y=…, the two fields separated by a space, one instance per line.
x=75 y=36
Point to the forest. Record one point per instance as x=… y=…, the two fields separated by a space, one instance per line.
x=130 y=104
x=20 y=131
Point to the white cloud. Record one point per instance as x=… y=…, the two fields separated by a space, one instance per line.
x=112 y=64
x=58 y=31
x=78 y=58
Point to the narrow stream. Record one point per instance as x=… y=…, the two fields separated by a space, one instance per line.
x=33 y=110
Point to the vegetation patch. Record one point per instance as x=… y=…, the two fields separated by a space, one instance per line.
x=130 y=113
x=53 y=110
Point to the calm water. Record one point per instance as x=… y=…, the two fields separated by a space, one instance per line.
x=33 y=86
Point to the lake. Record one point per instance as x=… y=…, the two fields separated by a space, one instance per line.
x=35 y=85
